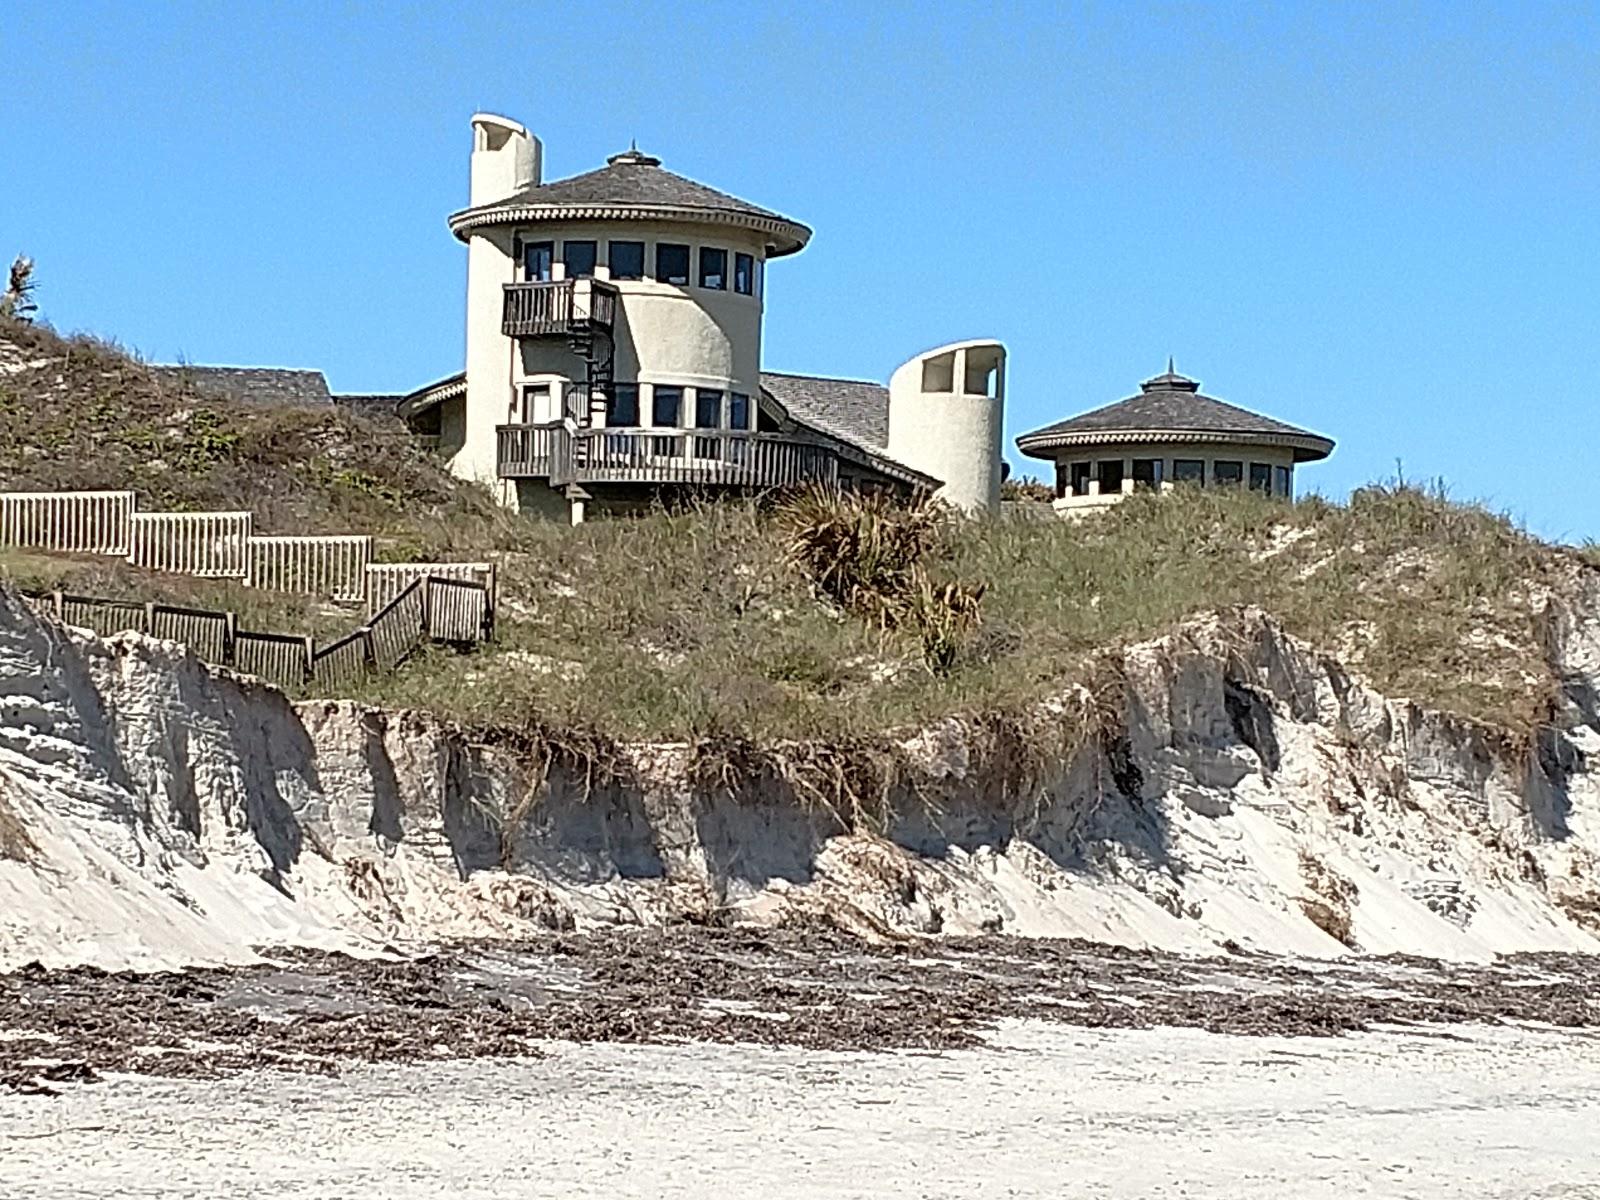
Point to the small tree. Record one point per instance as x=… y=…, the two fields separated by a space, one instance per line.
x=16 y=302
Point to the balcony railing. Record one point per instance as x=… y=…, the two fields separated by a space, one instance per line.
x=562 y=307
x=534 y=452
x=704 y=458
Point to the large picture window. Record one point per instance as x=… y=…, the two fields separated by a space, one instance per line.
x=579 y=258
x=1110 y=475
x=744 y=274
x=626 y=260
x=537 y=258
x=738 y=411
x=622 y=406
x=707 y=409
x=1188 y=470
x=713 y=268
x=666 y=407
x=1261 y=477
x=1227 y=472
x=1146 y=474
x=672 y=263
x=1283 y=482
x=1080 y=478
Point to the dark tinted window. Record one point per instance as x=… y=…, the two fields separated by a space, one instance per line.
x=622 y=408
x=1146 y=474
x=1080 y=479
x=707 y=409
x=1188 y=470
x=627 y=260
x=1283 y=482
x=672 y=263
x=713 y=268
x=536 y=260
x=1110 y=476
x=739 y=411
x=744 y=274
x=666 y=407
x=1260 y=477
x=1226 y=472
x=580 y=258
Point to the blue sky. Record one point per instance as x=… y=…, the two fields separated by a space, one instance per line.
x=1380 y=222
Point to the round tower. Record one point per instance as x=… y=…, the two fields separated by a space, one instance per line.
x=946 y=412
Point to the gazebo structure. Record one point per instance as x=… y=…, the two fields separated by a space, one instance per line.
x=1169 y=434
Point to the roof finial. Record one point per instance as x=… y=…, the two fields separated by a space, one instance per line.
x=1170 y=371
x=633 y=144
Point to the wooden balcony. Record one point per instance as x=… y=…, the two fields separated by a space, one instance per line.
x=717 y=458
x=562 y=308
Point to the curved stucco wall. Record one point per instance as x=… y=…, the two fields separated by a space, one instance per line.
x=946 y=414
x=682 y=335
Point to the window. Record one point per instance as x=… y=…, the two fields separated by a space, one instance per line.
x=939 y=374
x=707 y=409
x=1283 y=482
x=713 y=268
x=1146 y=474
x=1110 y=476
x=761 y=277
x=672 y=263
x=1080 y=479
x=1188 y=470
x=622 y=406
x=1261 y=477
x=738 y=411
x=744 y=274
x=626 y=259
x=580 y=258
x=536 y=260
x=1226 y=472
x=536 y=404
x=666 y=406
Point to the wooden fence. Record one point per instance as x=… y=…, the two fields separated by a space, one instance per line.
x=221 y=545
x=70 y=522
x=453 y=611
x=208 y=545
x=334 y=566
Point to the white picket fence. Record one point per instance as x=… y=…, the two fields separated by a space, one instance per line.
x=221 y=545
x=73 y=522
x=210 y=545
x=334 y=566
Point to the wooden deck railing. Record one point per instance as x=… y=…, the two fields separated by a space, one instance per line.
x=561 y=306
x=533 y=452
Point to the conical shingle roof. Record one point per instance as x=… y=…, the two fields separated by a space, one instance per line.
x=633 y=185
x=1171 y=408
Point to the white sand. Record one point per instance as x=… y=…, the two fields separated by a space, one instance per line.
x=1066 y=1112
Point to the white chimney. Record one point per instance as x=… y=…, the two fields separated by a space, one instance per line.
x=506 y=159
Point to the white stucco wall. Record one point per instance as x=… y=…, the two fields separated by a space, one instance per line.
x=951 y=432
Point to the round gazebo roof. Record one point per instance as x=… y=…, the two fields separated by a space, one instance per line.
x=634 y=186
x=1170 y=408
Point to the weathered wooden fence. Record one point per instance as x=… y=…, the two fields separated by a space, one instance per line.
x=334 y=566
x=208 y=545
x=223 y=545
x=426 y=609
x=70 y=522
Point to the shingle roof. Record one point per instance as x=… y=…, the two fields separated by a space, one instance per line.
x=853 y=409
x=1170 y=408
x=254 y=385
x=633 y=184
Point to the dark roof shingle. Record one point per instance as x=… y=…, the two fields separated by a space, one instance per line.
x=1172 y=406
x=854 y=409
x=632 y=180
x=265 y=386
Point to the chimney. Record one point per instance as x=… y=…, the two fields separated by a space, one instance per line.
x=506 y=159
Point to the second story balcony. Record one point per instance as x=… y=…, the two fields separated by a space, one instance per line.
x=561 y=308
x=703 y=458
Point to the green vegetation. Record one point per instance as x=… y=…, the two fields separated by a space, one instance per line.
x=77 y=412
x=699 y=625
